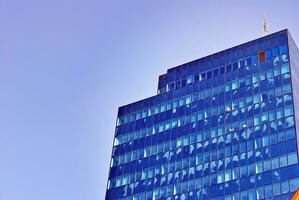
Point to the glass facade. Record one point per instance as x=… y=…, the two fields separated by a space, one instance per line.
x=221 y=127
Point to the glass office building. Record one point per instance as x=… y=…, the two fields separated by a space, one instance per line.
x=224 y=127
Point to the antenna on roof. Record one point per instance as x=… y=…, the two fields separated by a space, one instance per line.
x=266 y=27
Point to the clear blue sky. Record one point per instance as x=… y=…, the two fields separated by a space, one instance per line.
x=66 y=66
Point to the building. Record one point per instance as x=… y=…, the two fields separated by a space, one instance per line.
x=225 y=126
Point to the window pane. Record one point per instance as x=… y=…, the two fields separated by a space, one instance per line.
x=292 y=158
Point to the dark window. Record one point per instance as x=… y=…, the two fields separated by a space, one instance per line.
x=235 y=65
x=254 y=59
x=222 y=70
x=215 y=72
x=203 y=76
x=228 y=68
x=242 y=64
x=275 y=52
x=209 y=74
x=268 y=54
x=184 y=82
x=248 y=61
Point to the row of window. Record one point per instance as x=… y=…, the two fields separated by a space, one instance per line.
x=228 y=191
x=233 y=128
x=231 y=144
x=209 y=173
x=218 y=158
x=229 y=86
x=241 y=64
x=262 y=56
x=273 y=109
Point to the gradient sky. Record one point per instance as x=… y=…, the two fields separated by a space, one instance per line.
x=67 y=65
